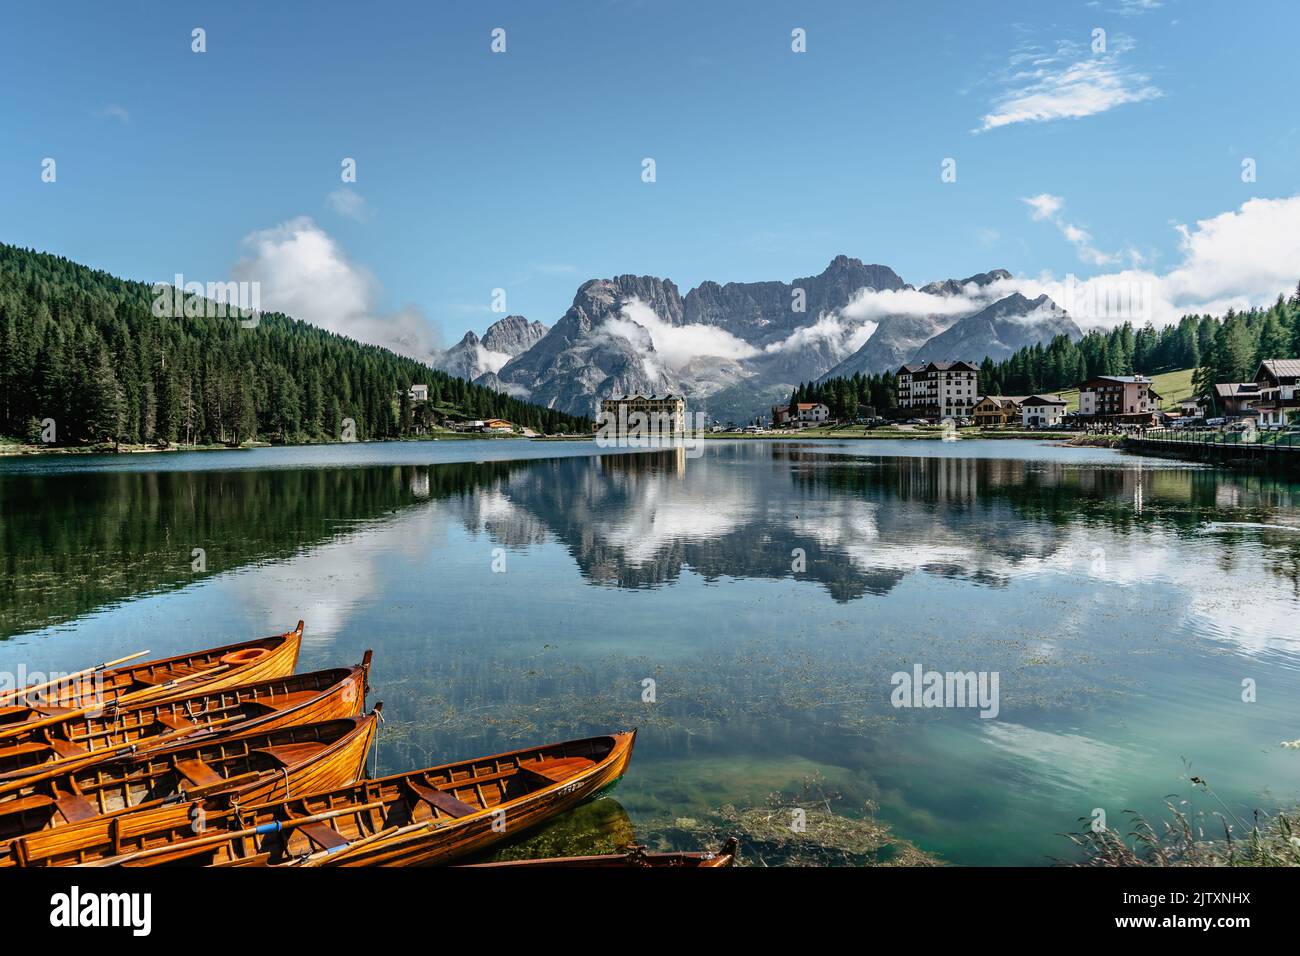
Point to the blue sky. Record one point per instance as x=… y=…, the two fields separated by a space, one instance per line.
x=522 y=170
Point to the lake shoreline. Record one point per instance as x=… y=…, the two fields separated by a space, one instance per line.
x=26 y=449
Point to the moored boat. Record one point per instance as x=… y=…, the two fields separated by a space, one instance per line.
x=80 y=736
x=243 y=663
x=633 y=858
x=427 y=817
x=252 y=767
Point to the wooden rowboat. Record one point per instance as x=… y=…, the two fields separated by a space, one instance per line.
x=279 y=702
x=245 y=663
x=431 y=816
x=635 y=857
x=251 y=767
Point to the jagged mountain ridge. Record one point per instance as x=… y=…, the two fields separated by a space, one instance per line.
x=732 y=349
x=473 y=357
x=1000 y=330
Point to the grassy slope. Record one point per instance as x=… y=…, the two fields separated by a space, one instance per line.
x=1172 y=387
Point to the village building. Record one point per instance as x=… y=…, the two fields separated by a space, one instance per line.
x=938 y=389
x=1236 y=399
x=419 y=393
x=803 y=413
x=1042 y=411
x=663 y=414
x=812 y=413
x=997 y=410
x=1278 y=381
x=1119 y=398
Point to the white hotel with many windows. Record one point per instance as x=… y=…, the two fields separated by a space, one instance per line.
x=939 y=389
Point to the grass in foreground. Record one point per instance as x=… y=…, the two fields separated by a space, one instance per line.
x=1188 y=838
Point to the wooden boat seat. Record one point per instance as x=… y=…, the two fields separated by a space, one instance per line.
x=446 y=802
x=556 y=769
x=75 y=808
x=292 y=755
x=50 y=710
x=150 y=680
x=173 y=722
x=323 y=835
x=34 y=802
x=291 y=699
x=66 y=748
x=22 y=750
x=198 y=773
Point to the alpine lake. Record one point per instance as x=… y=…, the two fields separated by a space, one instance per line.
x=748 y=610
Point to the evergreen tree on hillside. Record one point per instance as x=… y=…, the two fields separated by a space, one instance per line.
x=84 y=348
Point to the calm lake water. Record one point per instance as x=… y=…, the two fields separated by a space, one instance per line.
x=520 y=592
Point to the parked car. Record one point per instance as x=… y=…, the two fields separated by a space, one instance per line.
x=1216 y=422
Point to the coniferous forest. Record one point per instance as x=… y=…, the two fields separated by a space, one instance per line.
x=85 y=349
x=1226 y=349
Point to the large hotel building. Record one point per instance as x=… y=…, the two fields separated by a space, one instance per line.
x=664 y=415
x=939 y=389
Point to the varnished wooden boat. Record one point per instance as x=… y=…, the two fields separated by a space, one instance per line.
x=250 y=767
x=245 y=663
x=279 y=702
x=431 y=816
x=636 y=857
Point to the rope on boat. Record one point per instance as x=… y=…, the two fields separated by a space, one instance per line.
x=378 y=712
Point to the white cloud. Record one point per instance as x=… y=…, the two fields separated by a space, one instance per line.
x=675 y=345
x=1237 y=259
x=1052 y=88
x=873 y=304
x=830 y=327
x=115 y=111
x=1047 y=206
x=1044 y=205
x=303 y=273
x=489 y=361
x=348 y=203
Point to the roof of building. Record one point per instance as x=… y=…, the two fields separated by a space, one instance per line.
x=1044 y=400
x=670 y=397
x=909 y=367
x=1122 y=379
x=1002 y=399
x=1233 y=389
x=803 y=405
x=952 y=365
x=1279 y=368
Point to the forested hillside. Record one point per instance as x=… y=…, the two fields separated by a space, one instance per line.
x=84 y=348
x=1227 y=349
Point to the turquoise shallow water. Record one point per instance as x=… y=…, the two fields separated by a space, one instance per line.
x=521 y=592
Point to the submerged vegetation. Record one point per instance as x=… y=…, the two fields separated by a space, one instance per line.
x=802 y=829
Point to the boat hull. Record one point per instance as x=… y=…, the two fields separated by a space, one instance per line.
x=146 y=791
x=373 y=810
x=473 y=834
x=249 y=662
x=281 y=702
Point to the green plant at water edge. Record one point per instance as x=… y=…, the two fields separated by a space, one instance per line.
x=1190 y=839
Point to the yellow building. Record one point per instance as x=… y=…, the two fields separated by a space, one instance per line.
x=664 y=414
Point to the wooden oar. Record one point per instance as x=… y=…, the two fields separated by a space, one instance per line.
x=274 y=827
x=320 y=856
x=63 y=764
x=10 y=781
x=26 y=691
x=136 y=698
